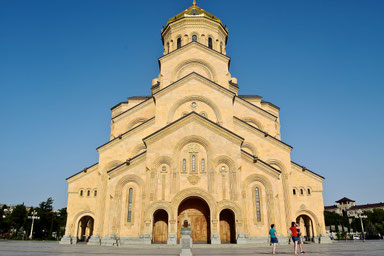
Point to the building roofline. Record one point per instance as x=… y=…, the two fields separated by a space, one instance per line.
x=121 y=135
x=263 y=110
x=84 y=170
x=265 y=134
x=127 y=162
x=305 y=169
x=131 y=108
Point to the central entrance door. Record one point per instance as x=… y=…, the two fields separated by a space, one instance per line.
x=196 y=211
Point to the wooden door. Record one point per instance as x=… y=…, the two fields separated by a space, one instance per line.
x=160 y=227
x=227 y=227
x=198 y=214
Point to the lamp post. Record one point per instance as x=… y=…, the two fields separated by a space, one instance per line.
x=33 y=217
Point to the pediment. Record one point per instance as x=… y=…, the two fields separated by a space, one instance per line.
x=194 y=124
x=195 y=77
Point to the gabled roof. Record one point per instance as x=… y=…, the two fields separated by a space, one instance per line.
x=344 y=200
x=367 y=206
x=193 y=114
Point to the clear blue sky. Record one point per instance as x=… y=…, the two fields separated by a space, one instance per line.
x=64 y=64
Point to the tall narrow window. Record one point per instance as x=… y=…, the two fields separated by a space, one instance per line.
x=130 y=197
x=221 y=47
x=184 y=165
x=258 y=211
x=294 y=191
x=179 y=43
x=309 y=191
x=210 y=42
x=193 y=163
x=301 y=191
x=203 y=165
x=168 y=47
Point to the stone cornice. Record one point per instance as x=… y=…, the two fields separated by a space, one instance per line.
x=263 y=134
x=128 y=163
x=195 y=75
x=304 y=170
x=125 y=134
x=256 y=108
x=85 y=171
x=261 y=164
x=188 y=118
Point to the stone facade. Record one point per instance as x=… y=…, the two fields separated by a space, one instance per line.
x=194 y=150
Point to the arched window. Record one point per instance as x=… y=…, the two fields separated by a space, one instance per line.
x=294 y=191
x=193 y=163
x=88 y=192
x=210 y=42
x=81 y=192
x=184 y=165
x=203 y=165
x=130 y=199
x=309 y=191
x=95 y=193
x=301 y=191
x=194 y=38
x=257 y=200
x=179 y=43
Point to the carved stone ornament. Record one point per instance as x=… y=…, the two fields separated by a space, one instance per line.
x=193 y=148
x=193 y=179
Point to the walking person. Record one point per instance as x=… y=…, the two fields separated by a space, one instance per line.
x=295 y=239
x=300 y=241
x=274 y=241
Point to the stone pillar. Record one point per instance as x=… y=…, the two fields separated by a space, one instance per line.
x=67 y=239
x=172 y=239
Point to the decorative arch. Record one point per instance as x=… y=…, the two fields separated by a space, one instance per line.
x=268 y=190
x=225 y=160
x=136 y=122
x=313 y=217
x=192 y=139
x=76 y=219
x=159 y=205
x=278 y=164
x=138 y=149
x=207 y=101
x=250 y=147
x=126 y=179
x=162 y=160
x=254 y=122
x=208 y=68
x=195 y=192
x=227 y=204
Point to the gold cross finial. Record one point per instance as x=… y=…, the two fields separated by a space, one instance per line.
x=194 y=3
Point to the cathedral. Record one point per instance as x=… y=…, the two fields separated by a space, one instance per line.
x=197 y=150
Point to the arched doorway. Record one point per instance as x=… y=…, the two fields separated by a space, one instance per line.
x=160 y=227
x=196 y=211
x=306 y=227
x=227 y=227
x=85 y=228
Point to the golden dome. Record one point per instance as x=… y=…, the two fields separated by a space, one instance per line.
x=194 y=11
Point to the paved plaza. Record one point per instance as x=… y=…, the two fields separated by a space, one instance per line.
x=13 y=248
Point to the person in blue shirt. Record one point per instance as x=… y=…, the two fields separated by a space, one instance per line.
x=273 y=235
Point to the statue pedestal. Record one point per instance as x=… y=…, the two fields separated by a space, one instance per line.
x=186 y=242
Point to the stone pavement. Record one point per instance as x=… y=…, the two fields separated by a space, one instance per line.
x=13 y=248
